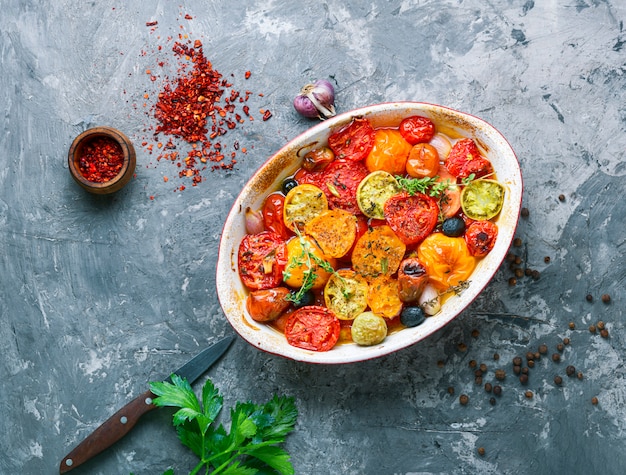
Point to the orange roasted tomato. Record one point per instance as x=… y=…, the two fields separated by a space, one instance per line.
x=390 y=152
x=447 y=260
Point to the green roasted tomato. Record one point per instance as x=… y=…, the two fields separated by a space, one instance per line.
x=368 y=329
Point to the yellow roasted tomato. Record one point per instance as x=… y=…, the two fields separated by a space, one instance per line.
x=447 y=260
x=383 y=297
x=390 y=152
x=345 y=294
x=334 y=231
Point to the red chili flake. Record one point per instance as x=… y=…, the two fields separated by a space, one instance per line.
x=188 y=17
x=248 y=74
x=266 y=115
x=152 y=23
x=101 y=160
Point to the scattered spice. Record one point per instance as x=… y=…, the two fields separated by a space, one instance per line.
x=556 y=357
x=604 y=333
x=570 y=370
x=500 y=374
x=463 y=399
x=606 y=298
x=558 y=380
x=196 y=107
x=488 y=387
x=529 y=394
x=589 y=298
x=101 y=159
x=594 y=401
x=481 y=451
x=561 y=197
x=525 y=212
x=572 y=325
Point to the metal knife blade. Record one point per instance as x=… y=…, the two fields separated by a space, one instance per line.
x=120 y=423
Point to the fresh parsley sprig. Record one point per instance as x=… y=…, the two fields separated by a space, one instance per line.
x=253 y=444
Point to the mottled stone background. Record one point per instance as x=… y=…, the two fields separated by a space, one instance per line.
x=98 y=295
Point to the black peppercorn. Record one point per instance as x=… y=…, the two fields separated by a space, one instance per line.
x=497 y=390
x=523 y=379
x=517 y=361
x=594 y=400
x=463 y=399
x=570 y=370
x=600 y=325
x=589 y=298
x=556 y=357
x=572 y=325
x=483 y=367
x=606 y=298
x=592 y=328
x=566 y=341
x=528 y=394
x=604 y=333
x=450 y=390
x=517 y=369
x=472 y=364
x=492 y=401
x=488 y=387
x=543 y=349
x=500 y=374
x=558 y=380
x=561 y=197
x=481 y=451
x=525 y=212
x=560 y=347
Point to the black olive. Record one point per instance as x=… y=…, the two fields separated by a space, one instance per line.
x=307 y=298
x=412 y=316
x=453 y=227
x=288 y=184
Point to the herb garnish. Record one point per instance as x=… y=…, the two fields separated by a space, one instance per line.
x=256 y=431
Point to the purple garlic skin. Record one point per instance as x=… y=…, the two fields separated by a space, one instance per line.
x=316 y=100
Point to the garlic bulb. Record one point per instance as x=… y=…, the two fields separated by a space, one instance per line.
x=316 y=100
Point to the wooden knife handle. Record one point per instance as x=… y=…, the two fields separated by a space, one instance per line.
x=116 y=427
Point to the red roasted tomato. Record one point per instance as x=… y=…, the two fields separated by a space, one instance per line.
x=480 y=237
x=312 y=328
x=273 y=215
x=412 y=217
x=354 y=141
x=417 y=129
x=465 y=159
x=340 y=182
x=262 y=258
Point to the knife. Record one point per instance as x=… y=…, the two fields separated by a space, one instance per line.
x=120 y=423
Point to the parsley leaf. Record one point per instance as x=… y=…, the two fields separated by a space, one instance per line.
x=251 y=446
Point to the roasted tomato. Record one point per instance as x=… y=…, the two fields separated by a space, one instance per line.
x=389 y=153
x=261 y=259
x=417 y=129
x=340 y=182
x=354 y=141
x=334 y=231
x=383 y=298
x=268 y=304
x=446 y=259
x=345 y=294
x=412 y=217
x=273 y=215
x=302 y=204
x=378 y=251
x=465 y=159
x=312 y=328
x=317 y=159
x=302 y=251
x=412 y=278
x=450 y=200
x=423 y=161
x=480 y=237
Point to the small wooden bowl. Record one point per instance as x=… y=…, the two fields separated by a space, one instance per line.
x=124 y=175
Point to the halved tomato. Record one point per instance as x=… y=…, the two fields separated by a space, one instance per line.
x=353 y=141
x=345 y=294
x=340 y=182
x=412 y=217
x=423 y=161
x=334 y=231
x=465 y=159
x=261 y=259
x=312 y=328
x=302 y=204
x=378 y=251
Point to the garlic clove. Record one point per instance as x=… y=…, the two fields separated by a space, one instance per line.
x=429 y=300
x=254 y=221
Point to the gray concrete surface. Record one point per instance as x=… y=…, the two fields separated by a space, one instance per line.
x=99 y=296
